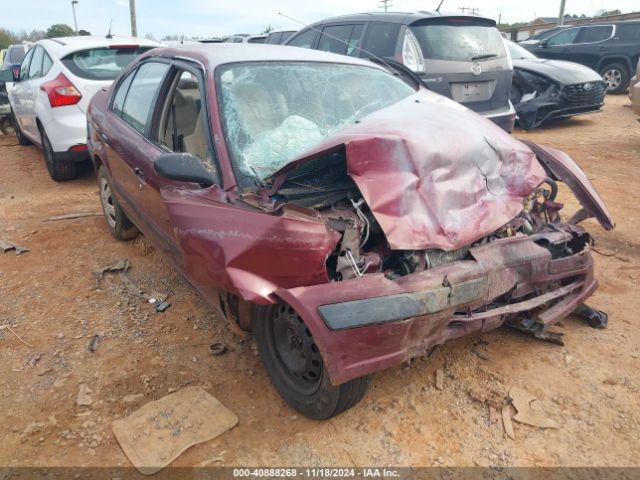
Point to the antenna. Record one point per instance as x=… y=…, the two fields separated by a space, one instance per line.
x=109 y=32
x=439 y=5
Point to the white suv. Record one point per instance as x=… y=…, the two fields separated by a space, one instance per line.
x=50 y=96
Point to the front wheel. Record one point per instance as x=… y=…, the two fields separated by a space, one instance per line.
x=616 y=76
x=295 y=365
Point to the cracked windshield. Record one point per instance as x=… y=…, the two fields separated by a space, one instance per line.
x=274 y=111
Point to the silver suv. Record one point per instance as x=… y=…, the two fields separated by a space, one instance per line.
x=460 y=56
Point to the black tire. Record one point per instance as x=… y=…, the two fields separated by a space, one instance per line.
x=117 y=221
x=59 y=170
x=616 y=75
x=22 y=140
x=306 y=387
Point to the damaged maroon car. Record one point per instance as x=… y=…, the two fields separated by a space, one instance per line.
x=347 y=216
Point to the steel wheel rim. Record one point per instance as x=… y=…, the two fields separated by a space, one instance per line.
x=106 y=199
x=298 y=356
x=613 y=78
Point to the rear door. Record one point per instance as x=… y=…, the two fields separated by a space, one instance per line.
x=590 y=44
x=464 y=59
x=557 y=46
x=343 y=38
x=129 y=149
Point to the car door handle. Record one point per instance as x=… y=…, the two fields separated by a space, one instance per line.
x=140 y=176
x=104 y=137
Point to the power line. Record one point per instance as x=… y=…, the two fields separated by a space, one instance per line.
x=472 y=10
x=385 y=4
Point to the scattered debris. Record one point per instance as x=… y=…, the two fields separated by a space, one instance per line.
x=2 y=327
x=132 y=398
x=218 y=348
x=157 y=433
x=120 y=266
x=6 y=246
x=93 y=343
x=439 y=379
x=524 y=404
x=506 y=421
x=83 y=399
x=69 y=216
x=162 y=306
x=34 y=359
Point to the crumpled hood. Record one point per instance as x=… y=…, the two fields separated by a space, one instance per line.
x=566 y=73
x=435 y=174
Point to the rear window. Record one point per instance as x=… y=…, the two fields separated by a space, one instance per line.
x=103 y=63
x=461 y=42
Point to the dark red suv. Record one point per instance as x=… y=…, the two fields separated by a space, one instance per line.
x=351 y=219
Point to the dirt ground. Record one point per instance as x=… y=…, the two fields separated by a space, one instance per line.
x=590 y=387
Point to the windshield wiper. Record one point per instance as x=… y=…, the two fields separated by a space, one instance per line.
x=486 y=55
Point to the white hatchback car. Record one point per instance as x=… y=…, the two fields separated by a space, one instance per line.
x=51 y=94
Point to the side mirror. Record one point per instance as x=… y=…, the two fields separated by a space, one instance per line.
x=183 y=167
x=7 y=76
x=543 y=43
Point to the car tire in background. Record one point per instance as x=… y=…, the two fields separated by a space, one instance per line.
x=616 y=75
x=295 y=365
x=59 y=170
x=22 y=140
x=119 y=224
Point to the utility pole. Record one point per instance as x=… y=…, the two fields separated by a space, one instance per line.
x=473 y=10
x=75 y=20
x=561 y=14
x=132 y=13
x=385 y=4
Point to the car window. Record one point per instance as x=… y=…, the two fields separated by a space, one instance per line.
x=138 y=102
x=460 y=42
x=628 y=32
x=16 y=54
x=342 y=39
x=47 y=63
x=274 y=38
x=381 y=38
x=593 y=34
x=24 y=68
x=566 y=37
x=286 y=36
x=183 y=125
x=35 y=68
x=256 y=40
x=304 y=40
x=274 y=111
x=121 y=93
x=517 y=52
x=104 y=63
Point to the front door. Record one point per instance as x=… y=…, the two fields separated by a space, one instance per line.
x=18 y=94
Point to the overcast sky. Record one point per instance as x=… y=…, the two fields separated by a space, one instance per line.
x=211 y=17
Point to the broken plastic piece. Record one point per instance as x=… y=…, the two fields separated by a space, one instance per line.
x=162 y=306
x=595 y=318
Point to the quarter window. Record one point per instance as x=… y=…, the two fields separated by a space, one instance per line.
x=139 y=100
x=594 y=34
x=47 y=63
x=381 y=38
x=121 y=93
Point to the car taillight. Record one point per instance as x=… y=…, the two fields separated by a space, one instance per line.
x=412 y=53
x=61 y=92
x=78 y=148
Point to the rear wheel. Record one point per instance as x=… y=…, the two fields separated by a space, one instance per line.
x=22 y=140
x=119 y=224
x=59 y=170
x=296 y=367
x=616 y=76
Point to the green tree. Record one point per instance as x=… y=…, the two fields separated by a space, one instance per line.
x=84 y=33
x=268 y=29
x=6 y=38
x=59 y=30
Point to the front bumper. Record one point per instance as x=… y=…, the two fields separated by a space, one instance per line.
x=371 y=323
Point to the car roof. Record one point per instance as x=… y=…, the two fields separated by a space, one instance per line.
x=64 y=45
x=214 y=54
x=404 y=18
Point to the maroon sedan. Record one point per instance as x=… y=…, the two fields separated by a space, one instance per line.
x=349 y=217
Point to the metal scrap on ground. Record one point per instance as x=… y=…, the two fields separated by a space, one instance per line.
x=70 y=216
x=157 y=433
